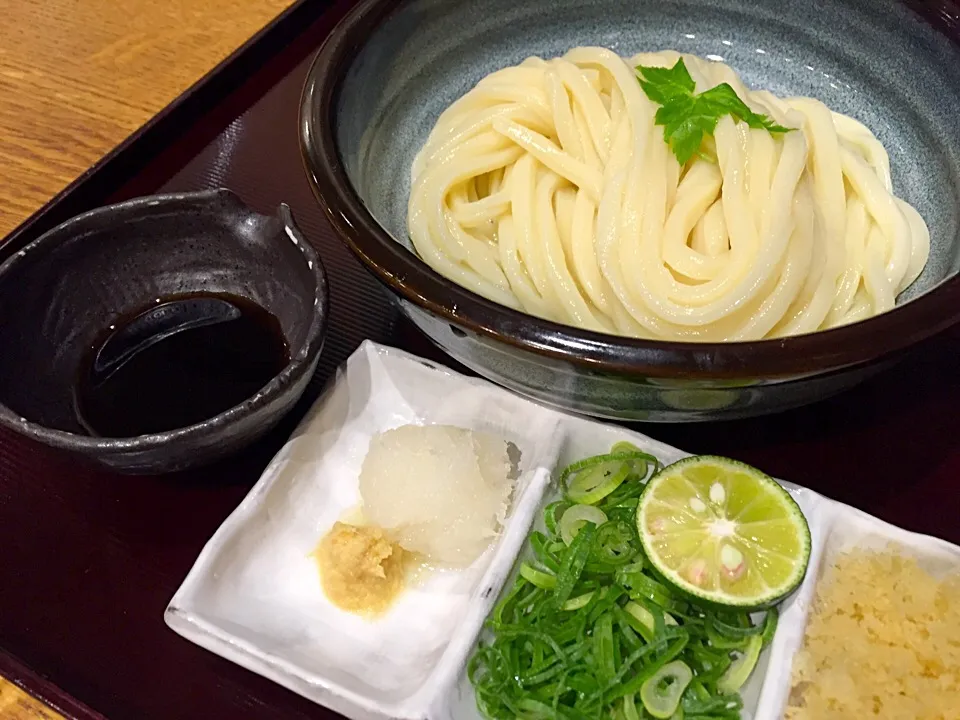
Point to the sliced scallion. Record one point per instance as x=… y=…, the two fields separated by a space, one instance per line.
x=741 y=668
x=662 y=692
x=591 y=485
x=575 y=517
x=578 y=602
x=537 y=577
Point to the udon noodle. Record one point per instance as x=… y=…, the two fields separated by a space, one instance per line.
x=549 y=188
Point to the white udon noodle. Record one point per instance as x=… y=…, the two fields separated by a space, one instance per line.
x=548 y=188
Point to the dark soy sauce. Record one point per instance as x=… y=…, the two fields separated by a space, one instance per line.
x=178 y=362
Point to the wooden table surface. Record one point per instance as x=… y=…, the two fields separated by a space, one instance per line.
x=76 y=78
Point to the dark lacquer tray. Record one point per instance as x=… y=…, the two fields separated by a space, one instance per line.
x=88 y=560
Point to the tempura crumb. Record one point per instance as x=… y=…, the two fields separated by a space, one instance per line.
x=883 y=641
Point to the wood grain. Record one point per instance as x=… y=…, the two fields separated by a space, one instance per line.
x=76 y=78
x=17 y=705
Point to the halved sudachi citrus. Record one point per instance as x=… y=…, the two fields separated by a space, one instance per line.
x=723 y=532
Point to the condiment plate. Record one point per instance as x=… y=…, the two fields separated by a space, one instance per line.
x=839 y=529
x=253 y=596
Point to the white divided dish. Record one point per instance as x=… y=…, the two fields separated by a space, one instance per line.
x=254 y=597
x=839 y=528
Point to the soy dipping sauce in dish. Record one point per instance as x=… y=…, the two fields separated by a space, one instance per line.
x=178 y=362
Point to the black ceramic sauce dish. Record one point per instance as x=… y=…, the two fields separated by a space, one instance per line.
x=384 y=75
x=59 y=294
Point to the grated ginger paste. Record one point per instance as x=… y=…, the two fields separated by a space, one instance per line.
x=361 y=571
x=883 y=641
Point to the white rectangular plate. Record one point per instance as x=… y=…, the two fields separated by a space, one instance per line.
x=253 y=596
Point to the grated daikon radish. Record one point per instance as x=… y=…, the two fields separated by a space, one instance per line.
x=437 y=490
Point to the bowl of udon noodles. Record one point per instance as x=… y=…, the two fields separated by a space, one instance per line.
x=645 y=210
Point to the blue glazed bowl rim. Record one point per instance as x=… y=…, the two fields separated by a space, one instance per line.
x=414 y=281
x=295 y=369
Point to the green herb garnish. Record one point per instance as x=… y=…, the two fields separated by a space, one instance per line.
x=589 y=631
x=686 y=117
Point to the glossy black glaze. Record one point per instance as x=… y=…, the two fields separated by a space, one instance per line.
x=61 y=291
x=610 y=394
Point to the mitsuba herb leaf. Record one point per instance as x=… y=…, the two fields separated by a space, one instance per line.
x=665 y=84
x=687 y=117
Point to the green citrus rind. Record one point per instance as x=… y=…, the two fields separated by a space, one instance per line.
x=777 y=564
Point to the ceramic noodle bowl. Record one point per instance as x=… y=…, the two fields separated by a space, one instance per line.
x=382 y=79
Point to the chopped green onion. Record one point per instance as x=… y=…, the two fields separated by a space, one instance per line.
x=662 y=692
x=639 y=585
x=573 y=563
x=646 y=617
x=709 y=663
x=641 y=465
x=741 y=668
x=723 y=642
x=630 y=707
x=631 y=638
x=604 y=647
x=744 y=629
x=667 y=647
x=770 y=625
x=541 y=548
x=625 y=497
x=551 y=514
x=536 y=577
x=592 y=485
x=631 y=456
x=505 y=607
x=578 y=602
x=615 y=544
x=699 y=703
x=637 y=625
x=576 y=517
